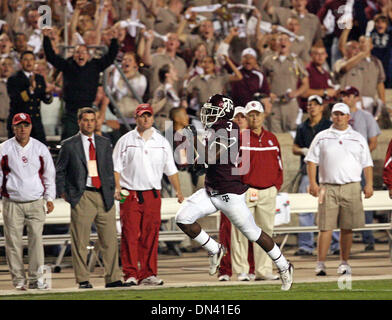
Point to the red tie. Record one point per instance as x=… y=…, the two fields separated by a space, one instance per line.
x=95 y=180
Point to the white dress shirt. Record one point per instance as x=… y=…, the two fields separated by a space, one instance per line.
x=86 y=148
x=141 y=163
x=340 y=154
x=31 y=175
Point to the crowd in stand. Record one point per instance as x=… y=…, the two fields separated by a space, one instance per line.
x=297 y=58
x=178 y=53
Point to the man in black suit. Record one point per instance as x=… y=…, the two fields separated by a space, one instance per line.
x=85 y=179
x=80 y=78
x=26 y=90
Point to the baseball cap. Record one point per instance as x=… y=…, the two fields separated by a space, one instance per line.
x=238 y=110
x=143 y=108
x=250 y=51
x=254 y=106
x=21 y=117
x=342 y=107
x=350 y=90
x=316 y=98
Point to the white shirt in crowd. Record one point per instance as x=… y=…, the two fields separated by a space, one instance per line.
x=28 y=171
x=86 y=148
x=340 y=155
x=141 y=163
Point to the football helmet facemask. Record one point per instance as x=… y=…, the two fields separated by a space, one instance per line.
x=217 y=107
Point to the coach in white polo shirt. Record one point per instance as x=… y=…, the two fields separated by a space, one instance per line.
x=341 y=154
x=28 y=182
x=141 y=157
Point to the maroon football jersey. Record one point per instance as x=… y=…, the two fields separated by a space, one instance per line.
x=219 y=177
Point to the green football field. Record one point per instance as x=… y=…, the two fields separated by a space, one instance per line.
x=366 y=290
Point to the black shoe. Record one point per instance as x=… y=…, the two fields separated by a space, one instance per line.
x=369 y=247
x=85 y=285
x=303 y=252
x=114 y=284
x=334 y=252
x=380 y=240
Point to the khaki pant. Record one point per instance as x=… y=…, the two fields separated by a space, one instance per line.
x=16 y=215
x=91 y=209
x=263 y=211
x=283 y=117
x=342 y=207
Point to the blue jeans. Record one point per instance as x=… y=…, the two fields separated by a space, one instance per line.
x=306 y=240
x=367 y=235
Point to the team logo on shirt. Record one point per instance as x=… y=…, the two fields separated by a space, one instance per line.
x=24 y=159
x=225 y=198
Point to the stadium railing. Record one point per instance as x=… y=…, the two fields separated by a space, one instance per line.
x=299 y=203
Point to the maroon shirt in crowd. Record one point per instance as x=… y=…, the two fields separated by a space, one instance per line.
x=253 y=81
x=332 y=5
x=317 y=80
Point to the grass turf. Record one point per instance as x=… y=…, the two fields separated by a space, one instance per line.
x=361 y=290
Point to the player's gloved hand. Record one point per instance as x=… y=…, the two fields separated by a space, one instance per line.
x=189 y=132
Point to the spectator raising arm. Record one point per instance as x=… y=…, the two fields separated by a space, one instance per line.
x=56 y=60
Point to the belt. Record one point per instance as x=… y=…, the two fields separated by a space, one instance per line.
x=93 y=189
x=260 y=188
x=140 y=195
x=3 y=120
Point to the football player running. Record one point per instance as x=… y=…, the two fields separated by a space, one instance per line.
x=223 y=190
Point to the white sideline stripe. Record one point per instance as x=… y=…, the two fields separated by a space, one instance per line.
x=260 y=149
x=313 y=279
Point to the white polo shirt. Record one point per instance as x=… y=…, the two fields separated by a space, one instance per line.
x=141 y=164
x=27 y=173
x=340 y=155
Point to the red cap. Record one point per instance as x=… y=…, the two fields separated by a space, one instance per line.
x=142 y=108
x=21 y=117
x=350 y=90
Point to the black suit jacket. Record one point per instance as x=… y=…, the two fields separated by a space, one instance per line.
x=21 y=100
x=71 y=169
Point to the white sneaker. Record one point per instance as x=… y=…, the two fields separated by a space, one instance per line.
x=344 y=269
x=131 y=281
x=252 y=276
x=224 y=277
x=269 y=276
x=243 y=277
x=287 y=278
x=320 y=270
x=152 y=281
x=21 y=286
x=215 y=259
x=38 y=285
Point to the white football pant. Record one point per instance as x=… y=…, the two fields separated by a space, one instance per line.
x=200 y=205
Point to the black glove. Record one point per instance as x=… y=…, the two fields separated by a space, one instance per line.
x=198 y=170
x=189 y=132
x=192 y=128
